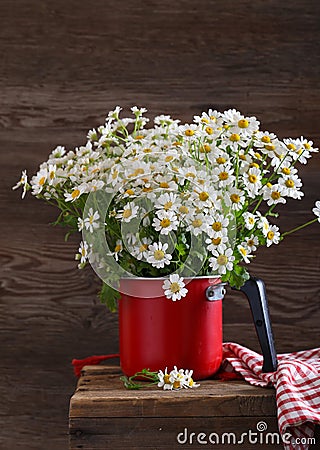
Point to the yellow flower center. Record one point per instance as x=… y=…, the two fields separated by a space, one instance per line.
x=165 y=223
x=158 y=255
x=189 y=132
x=42 y=181
x=167 y=205
x=235 y=198
x=174 y=287
x=129 y=192
x=235 y=137
x=137 y=172
x=250 y=243
x=127 y=213
x=183 y=209
x=222 y=260
x=275 y=195
x=166 y=378
x=147 y=150
x=51 y=175
x=254 y=165
x=252 y=178
x=176 y=384
x=251 y=220
x=291 y=146
x=164 y=184
x=270 y=235
x=203 y=196
x=290 y=183
x=139 y=136
x=223 y=176
x=191 y=382
x=197 y=223
x=243 y=251
x=75 y=193
x=205 y=148
x=117 y=248
x=265 y=139
x=270 y=147
x=257 y=155
x=190 y=175
x=243 y=123
x=243 y=157
x=204 y=120
x=209 y=130
x=307 y=146
x=213 y=118
x=221 y=160
x=286 y=170
x=217 y=226
x=143 y=248
x=216 y=241
x=168 y=158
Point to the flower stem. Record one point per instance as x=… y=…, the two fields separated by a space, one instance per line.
x=300 y=227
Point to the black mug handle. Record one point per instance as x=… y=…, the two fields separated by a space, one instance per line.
x=255 y=291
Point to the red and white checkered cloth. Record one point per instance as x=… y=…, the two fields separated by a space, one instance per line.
x=297 y=384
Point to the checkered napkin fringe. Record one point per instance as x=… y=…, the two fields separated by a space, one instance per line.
x=297 y=384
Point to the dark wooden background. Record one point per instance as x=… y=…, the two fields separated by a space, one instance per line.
x=64 y=64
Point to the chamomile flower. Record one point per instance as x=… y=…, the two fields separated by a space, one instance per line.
x=141 y=251
x=75 y=193
x=129 y=212
x=90 y=222
x=223 y=175
x=80 y=223
x=197 y=224
x=214 y=242
x=165 y=222
x=252 y=181
x=218 y=226
x=167 y=201
x=52 y=168
x=273 y=235
x=316 y=210
x=273 y=194
x=38 y=181
x=174 y=287
x=263 y=224
x=188 y=381
x=157 y=255
x=164 y=380
x=22 y=182
x=249 y=220
x=291 y=185
x=117 y=249
x=222 y=260
x=251 y=243
x=245 y=253
x=83 y=252
x=234 y=198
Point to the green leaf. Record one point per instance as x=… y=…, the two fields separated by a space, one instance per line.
x=237 y=277
x=109 y=297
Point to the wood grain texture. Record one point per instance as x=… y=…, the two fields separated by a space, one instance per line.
x=105 y=415
x=64 y=64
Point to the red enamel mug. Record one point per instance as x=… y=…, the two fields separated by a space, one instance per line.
x=156 y=332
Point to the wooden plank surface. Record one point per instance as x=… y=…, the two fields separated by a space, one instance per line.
x=162 y=433
x=102 y=394
x=64 y=64
x=103 y=414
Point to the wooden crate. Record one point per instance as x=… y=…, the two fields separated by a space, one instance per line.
x=104 y=415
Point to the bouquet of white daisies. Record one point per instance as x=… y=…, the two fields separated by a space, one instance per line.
x=184 y=200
